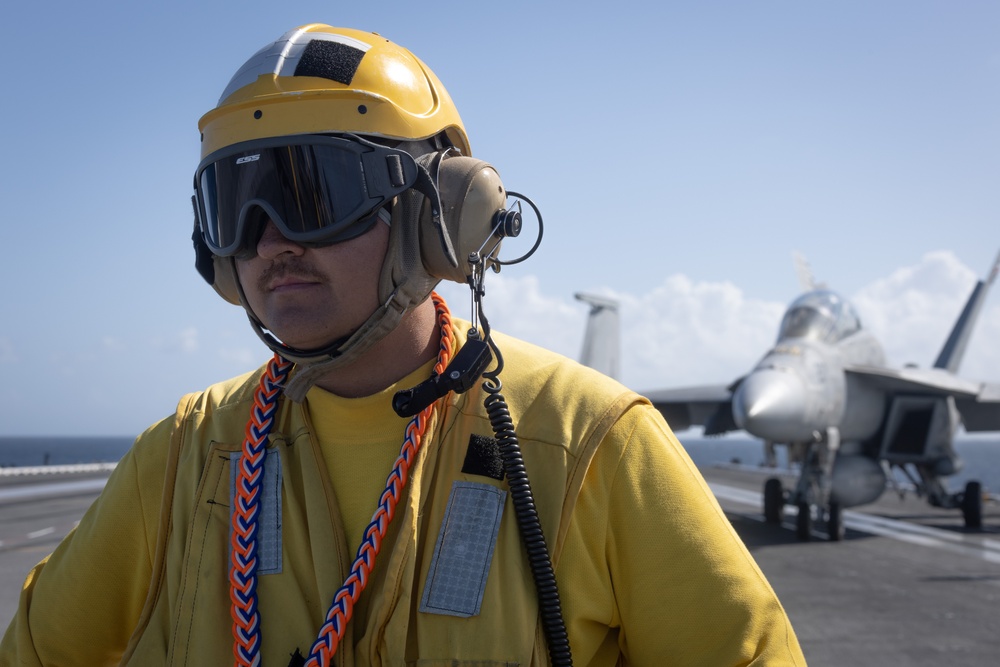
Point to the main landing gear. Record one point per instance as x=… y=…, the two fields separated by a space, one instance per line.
x=775 y=500
x=812 y=493
x=969 y=500
x=972 y=505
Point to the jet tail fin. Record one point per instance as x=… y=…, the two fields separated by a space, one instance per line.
x=951 y=354
x=601 y=340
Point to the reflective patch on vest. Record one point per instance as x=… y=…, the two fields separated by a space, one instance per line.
x=269 y=518
x=456 y=580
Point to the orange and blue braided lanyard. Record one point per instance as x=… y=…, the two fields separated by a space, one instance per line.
x=243 y=573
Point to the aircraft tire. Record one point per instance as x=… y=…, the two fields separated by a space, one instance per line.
x=972 y=505
x=835 y=522
x=803 y=522
x=774 y=500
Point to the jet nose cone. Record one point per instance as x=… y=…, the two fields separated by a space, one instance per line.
x=771 y=404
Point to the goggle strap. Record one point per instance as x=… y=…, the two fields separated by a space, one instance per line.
x=427 y=185
x=394 y=165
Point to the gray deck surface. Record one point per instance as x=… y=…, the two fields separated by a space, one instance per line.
x=907 y=586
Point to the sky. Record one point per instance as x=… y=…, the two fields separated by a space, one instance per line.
x=680 y=154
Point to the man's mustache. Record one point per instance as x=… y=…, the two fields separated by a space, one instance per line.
x=295 y=268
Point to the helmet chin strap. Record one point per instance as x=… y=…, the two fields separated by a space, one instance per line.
x=312 y=365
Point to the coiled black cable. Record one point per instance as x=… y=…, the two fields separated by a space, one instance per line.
x=549 y=604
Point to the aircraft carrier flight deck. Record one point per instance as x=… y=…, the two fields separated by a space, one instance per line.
x=907 y=585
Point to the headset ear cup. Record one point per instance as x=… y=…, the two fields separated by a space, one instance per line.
x=225 y=279
x=471 y=195
x=202 y=255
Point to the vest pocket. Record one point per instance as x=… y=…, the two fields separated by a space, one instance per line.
x=202 y=609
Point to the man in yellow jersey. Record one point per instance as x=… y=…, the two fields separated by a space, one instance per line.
x=396 y=486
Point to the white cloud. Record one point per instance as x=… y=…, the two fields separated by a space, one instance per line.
x=684 y=333
x=243 y=358
x=913 y=310
x=188 y=340
x=184 y=341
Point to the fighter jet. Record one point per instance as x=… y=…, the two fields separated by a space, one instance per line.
x=848 y=420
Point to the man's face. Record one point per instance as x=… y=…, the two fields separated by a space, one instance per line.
x=309 y=297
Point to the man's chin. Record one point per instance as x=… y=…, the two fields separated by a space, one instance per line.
x=297 y=326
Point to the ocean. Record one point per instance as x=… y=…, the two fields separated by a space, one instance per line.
x=42 y=450
x=981 y=455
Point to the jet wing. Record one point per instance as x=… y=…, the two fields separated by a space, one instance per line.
x=978 y=402
x=707 y=405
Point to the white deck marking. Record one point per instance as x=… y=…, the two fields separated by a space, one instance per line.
x=987 y=549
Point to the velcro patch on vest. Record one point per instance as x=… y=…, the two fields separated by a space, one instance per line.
x=269 y=517
x=483 y=457
x=459 y=568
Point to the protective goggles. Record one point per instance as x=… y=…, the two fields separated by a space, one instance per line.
x=317 y=189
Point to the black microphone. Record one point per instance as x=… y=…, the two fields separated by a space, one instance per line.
x=463 y=371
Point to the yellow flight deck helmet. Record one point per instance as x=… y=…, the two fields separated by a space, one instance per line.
x=325 y=131
x=318 y=79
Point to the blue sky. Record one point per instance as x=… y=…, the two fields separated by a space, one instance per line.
x=680 y=153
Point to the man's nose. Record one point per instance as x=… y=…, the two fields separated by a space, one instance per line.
x=273 y=243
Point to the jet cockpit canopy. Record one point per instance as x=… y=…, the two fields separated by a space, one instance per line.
x=821 y=315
